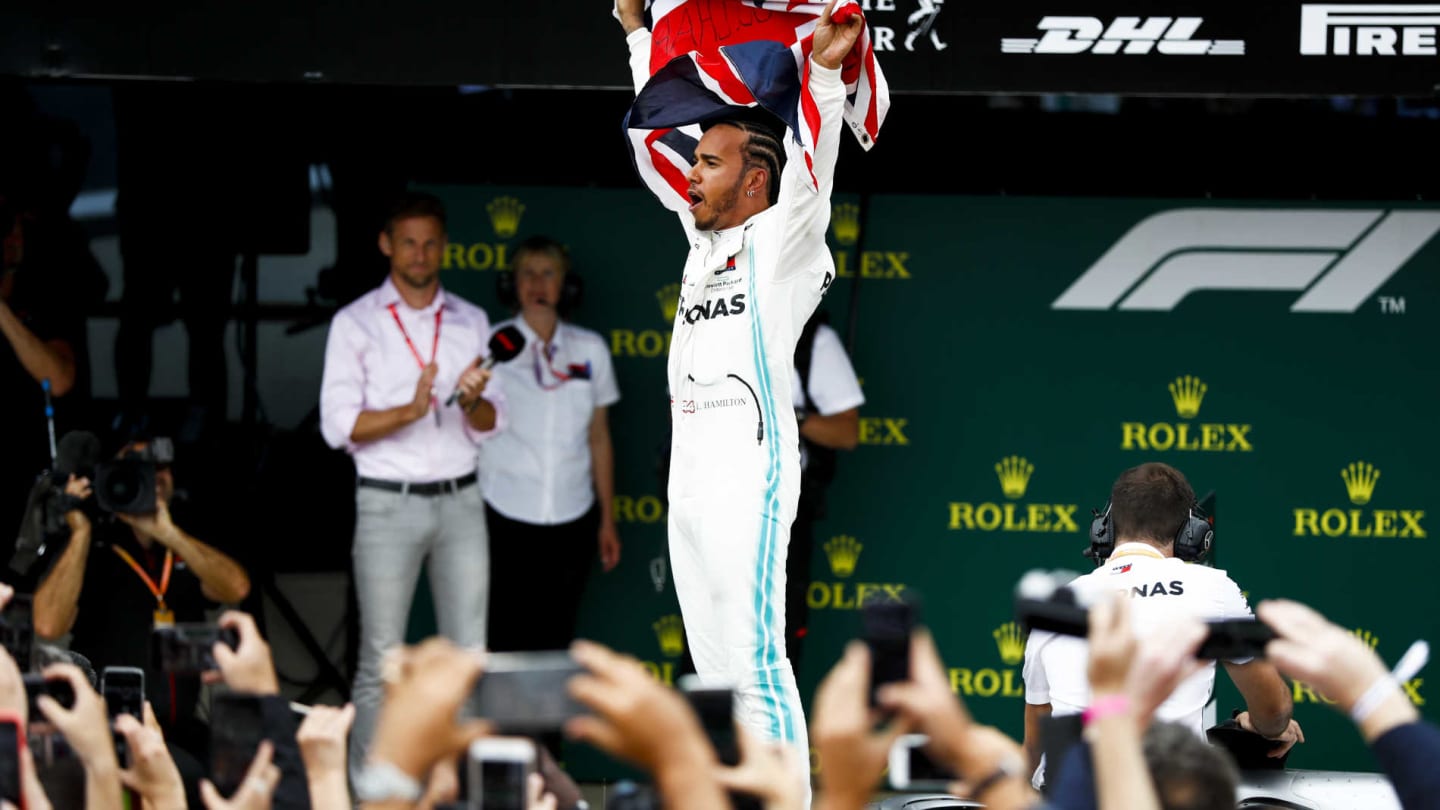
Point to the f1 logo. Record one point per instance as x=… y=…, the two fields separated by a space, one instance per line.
x=1339 y=258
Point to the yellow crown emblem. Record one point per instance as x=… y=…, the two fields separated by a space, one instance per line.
x=1366 y=636
x=505 y=213
x=1187 y=392
x=1011 y=642
x=668 y=297
x=1360 y=479
x=1014 y=473
x=670 y=630
x=843 y=551
x=845 y=223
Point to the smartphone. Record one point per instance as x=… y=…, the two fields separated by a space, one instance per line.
x=888 y=624
x=57 y=688
x=527 y=692
x=187 y=648
x=912 y=769
x=236 y=729
x=17 y=630
x=124 y=692
x=716 y=707
x=499 y=771
x=1232 y=639
x=12 y=746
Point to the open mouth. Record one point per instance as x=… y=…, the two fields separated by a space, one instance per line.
x=695 y=200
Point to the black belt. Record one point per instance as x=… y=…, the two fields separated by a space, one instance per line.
x=428 y=488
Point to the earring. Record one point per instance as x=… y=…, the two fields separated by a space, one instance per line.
x=750 y=193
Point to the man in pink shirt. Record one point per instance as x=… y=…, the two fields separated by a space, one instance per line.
x=393 y=359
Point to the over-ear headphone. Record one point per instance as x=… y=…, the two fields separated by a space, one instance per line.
x=572 y=292
x=1192 y=542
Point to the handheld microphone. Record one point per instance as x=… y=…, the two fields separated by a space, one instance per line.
x=504 y=346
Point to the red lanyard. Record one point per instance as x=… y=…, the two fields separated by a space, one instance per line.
x=550 y=366
x=157 y=590
x=434 y=347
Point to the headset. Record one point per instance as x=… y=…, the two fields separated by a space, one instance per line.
x=572 y=292
x=1192 y=543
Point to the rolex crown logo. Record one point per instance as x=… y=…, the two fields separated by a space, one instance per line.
x=670 y=630
x=1366 y=636
x=1360 y=479
x=845 y=222
x=1187 y=392
x=843 y=551
x=505 y=213
x=668 y=297
x=1014 y=473
x=1011 y=642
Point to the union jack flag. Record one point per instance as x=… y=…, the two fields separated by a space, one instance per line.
x=710 y=56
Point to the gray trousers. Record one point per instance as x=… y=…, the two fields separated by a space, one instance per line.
x=394 y=535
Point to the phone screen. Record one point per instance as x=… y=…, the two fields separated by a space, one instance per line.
x=527 y=692
x=888 y=625
x=10 y=762
x=188 y=648
x=716 y=708
x=124 y=690
x=236 y=729
x=502 y=784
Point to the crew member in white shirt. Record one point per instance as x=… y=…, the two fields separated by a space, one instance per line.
x=1158 y=540
x=549 y=478
x=393 y=358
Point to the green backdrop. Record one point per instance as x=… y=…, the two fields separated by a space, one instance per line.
x=971 y=369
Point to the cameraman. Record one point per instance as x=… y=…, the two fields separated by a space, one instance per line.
x=141 y=570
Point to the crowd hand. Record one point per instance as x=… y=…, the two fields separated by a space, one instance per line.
x=425 y=687
x=609 y=546
x=1291 y=735
x=12 y=688
x=536 y=798
x=928 y=701
x=248 y=668
x=472 y=383
x=834 y=40
x=255 y=792
x=152 y=772
x=424 y=391
x=853 y=754
x=322 y=738
x=7 y=592
x=636 y=718
x=443 y=786
x=86 y=726
x=1312 y=649
x=1148 y=669
x=767 y=770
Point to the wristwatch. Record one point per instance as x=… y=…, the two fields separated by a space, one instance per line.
x=383 y=782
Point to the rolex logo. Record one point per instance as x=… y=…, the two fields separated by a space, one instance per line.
x=845 y=223
x=505 y=213
x=668 y=297
x=670 y=631
x=1014 y=473
x=1360 y=479
x=1187 y=392
x=843 y=551
x=1011 y=642
x=1366 y=636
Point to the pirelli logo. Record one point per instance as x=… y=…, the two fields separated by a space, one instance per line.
x=1353 y=29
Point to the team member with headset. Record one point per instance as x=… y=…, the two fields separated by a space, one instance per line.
x=1142 y=545
x=549 y=479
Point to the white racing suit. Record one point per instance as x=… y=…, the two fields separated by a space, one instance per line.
x=746 y=293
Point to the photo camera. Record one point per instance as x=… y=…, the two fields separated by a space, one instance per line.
x=126 y=485
x=1045 y=600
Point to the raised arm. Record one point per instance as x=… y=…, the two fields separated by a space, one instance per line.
x=632 y=19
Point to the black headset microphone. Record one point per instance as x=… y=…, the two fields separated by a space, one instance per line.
x=504 y=346
x=1192 y=542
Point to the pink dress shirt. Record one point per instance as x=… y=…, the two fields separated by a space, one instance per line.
x=369 y=366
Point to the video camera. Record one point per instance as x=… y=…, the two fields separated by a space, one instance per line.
x=125 y=485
